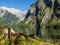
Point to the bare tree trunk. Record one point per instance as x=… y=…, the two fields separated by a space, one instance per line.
x=9 y=33
x=9 y=36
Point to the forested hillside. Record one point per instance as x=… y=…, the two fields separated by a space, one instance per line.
x=43 y=19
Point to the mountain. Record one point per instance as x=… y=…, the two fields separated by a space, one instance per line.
x=11 y=15
x=43 y=19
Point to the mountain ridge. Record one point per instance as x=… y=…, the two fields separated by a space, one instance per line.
x=16 y=12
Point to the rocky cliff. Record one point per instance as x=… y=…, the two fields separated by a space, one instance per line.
x=43 y=19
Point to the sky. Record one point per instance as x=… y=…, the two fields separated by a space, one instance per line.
x=22 y=5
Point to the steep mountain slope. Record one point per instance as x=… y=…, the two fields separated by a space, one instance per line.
x=43 y=18
x=11 y=15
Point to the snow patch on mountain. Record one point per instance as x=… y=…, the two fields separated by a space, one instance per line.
x=17 y=12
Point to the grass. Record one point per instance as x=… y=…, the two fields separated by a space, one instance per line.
x=30 y=41
x=0 y=36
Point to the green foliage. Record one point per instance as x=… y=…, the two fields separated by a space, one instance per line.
x=0 y=36
x=26 y=27
x=1 y=28
x=6 y=42
x=54 y=27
